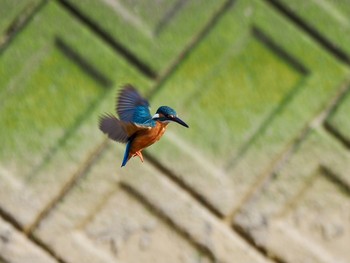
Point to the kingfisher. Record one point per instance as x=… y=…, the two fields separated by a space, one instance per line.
x=136 y=126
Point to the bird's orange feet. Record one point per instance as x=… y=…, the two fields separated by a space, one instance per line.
x=139 y=154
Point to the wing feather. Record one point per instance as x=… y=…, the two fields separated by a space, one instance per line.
x=114 y=128
x=118 y=130
x=132 y=107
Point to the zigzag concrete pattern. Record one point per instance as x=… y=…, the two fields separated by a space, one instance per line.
x=262 y=175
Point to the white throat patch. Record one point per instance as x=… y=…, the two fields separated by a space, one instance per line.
x=155 y=116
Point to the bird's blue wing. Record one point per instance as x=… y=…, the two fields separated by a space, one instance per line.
x=132 y=107
x=142 y=117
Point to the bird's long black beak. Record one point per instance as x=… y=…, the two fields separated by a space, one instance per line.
x=179 y=121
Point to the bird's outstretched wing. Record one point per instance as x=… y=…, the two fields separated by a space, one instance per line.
x=132 y=107
x=118 y=130
x=114 y=128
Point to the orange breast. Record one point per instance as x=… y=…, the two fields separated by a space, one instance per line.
x=145 y=138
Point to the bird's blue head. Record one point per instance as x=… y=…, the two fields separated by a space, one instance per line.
x=167 y=114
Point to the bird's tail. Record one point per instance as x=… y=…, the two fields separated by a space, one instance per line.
x=127 y=155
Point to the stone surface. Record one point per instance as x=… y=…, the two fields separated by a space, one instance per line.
x=261 y=175
x=110 y=225
x=191 y=218
x=17 y=248
x=306 y=204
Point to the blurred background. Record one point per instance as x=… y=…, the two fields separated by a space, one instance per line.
x=262 y=175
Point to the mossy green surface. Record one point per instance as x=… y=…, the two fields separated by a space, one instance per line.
x=155 y=32
x=233 y=98
x=235 y=83
x=53 y=77
x=246 y=94
x=330 y=19
x=339 y=119
x=11 y=10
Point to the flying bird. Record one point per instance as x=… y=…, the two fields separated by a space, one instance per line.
x=136 y=126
